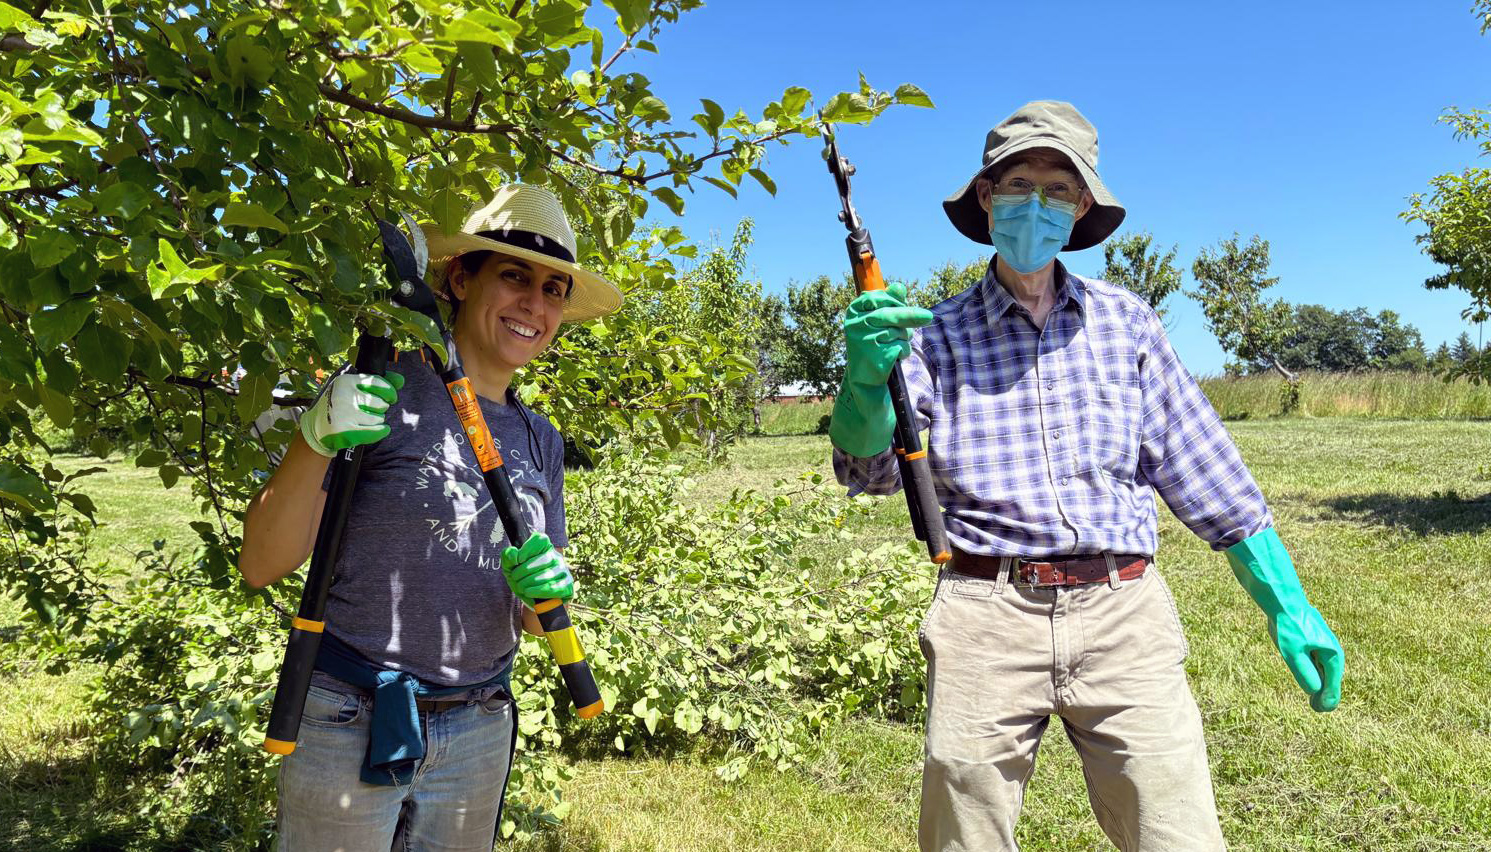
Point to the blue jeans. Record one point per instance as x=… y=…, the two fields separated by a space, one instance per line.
x=451 y=804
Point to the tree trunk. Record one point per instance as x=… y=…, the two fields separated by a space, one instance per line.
x=1288 y=376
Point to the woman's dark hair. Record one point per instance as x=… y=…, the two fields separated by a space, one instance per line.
x=471 y=263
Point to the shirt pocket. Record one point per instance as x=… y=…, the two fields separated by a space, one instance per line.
x=1113 y=421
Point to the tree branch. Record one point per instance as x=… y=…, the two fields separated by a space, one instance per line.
x=14 y=42
x=415 y=119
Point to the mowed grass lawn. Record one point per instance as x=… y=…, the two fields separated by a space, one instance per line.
x=1388 y=522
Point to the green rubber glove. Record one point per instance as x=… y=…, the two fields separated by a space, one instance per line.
x=350 y=412
x=1308 y=646
x=877 y=334
x=536 y=571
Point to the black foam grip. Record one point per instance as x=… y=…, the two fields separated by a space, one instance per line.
x=580 y=683
x=295 y=679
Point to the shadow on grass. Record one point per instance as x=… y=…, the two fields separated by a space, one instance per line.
x=1437 y=513
x=89 y=803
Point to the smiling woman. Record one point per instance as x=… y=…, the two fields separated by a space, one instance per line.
x=429 y=594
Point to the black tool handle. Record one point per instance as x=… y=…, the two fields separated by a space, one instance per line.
x=921 y=496
x=916 y=473
x=310 y=619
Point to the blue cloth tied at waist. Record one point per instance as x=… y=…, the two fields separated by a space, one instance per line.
x=397 y=741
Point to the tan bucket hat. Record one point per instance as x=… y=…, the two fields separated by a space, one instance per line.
x=526 y=222
x=1042 y=124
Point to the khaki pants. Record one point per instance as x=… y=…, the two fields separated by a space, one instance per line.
x=1003 y=658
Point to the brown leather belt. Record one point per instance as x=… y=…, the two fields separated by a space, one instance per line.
x=1076 y=571
x=437 y=705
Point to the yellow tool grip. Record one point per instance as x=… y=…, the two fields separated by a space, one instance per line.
x=565 y=645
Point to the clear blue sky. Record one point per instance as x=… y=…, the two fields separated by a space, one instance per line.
x=1307 y=123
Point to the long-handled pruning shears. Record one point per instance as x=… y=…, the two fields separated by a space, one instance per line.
x=916 y=474
x=408 y=257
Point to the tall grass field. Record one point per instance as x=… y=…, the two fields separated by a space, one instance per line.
x=1389 y=523
x=1387 y=395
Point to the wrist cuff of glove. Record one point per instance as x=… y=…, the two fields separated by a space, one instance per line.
x=1265 y=570
x=308 y=431
x=863 y=421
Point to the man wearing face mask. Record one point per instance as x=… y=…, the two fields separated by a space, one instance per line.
x=1056 y=406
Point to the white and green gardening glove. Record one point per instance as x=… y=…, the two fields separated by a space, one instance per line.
x=1309 y=648
x=350 y=412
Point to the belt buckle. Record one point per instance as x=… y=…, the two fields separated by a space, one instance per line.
x=1034 y=580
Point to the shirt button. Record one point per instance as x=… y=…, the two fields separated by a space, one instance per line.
x=1064 y=480
x=1056 y=435
x=1050 y=386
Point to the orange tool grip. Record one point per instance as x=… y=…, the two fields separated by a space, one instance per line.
x=867 y=273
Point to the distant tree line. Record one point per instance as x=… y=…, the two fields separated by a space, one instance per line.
x=801 y=341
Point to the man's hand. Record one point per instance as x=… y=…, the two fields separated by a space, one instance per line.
x=536 y=571
x=877 y=334
x=1309 y=648
x=350 y=412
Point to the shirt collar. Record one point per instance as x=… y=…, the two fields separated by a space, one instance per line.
x=1069 y=288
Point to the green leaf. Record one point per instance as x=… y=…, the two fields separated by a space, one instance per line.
x=249 y=63
x=58 y=406
x=123 y=199
x=24 y=488
x=102 y=351
x=912 y=96
x=631 y=15
x=37 y=130
x=719 y=183
x=670 y=198
x=422 y=327
x=765 y=181
x=49 y=246
x=56 y=325
x=331 y=338
x=794 y=99
x=556 y=18
x=255 y=395
x=711 y=118
x=250 y=216
x=169 y=474
x=150 y=458
x=651 y=109
x=449 y=209
x=480 y=25
x=172 y=276
x=12 y=19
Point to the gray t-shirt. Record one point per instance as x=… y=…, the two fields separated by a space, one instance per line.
x=419 y=585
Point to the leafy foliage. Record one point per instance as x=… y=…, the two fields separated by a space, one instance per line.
x=814 y=348
x=1231 y=280
x=1129 y=262
x=946 y=281
x=1458 y=217
x=717 y=623
x=1337 y=341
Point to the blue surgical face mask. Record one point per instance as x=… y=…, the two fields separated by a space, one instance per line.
x=1028 y=232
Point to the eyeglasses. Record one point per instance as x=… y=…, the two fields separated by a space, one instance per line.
x=1020 y=188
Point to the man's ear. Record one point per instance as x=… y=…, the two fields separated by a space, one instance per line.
x=985 y=192
x=1085 y=204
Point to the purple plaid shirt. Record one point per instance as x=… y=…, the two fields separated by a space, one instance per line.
x=1047 y=443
